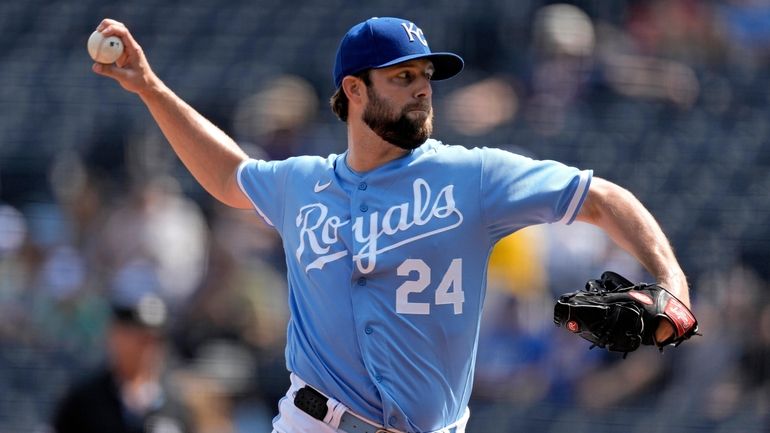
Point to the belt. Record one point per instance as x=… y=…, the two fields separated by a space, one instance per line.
x=313 y=403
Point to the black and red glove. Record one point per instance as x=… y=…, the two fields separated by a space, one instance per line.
x=618 y=315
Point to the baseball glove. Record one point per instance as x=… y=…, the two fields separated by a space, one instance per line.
x=618 y=315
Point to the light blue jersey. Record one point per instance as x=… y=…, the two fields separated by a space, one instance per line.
x=387 y=269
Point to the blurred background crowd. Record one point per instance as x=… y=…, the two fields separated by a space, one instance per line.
x=668 y=98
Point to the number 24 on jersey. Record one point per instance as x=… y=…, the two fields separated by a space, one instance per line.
x=448 y=292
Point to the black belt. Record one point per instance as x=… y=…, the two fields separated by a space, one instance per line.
x=313 y=403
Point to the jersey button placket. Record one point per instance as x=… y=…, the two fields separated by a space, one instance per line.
x=359 y=197
x=362 y=186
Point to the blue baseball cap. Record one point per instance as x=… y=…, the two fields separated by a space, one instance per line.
x=386 y=41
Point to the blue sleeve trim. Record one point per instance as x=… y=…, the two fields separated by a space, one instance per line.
x=584 y=183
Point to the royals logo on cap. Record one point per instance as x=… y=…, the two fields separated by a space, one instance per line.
x=382 y=42
x=413 y=31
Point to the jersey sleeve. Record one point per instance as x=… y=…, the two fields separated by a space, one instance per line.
x=263 y=182
x=518 y=191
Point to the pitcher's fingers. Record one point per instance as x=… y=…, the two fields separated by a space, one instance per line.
x=110 y=71
x=115 y=28
x=104 y=23
x=664 y=332
x=123 y=59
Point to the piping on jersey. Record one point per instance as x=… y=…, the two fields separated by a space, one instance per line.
x=319 y=231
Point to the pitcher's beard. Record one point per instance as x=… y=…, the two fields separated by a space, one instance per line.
x=398 y=129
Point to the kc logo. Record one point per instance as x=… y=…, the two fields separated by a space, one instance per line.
x=413 y=31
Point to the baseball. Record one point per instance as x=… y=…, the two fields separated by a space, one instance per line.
x=104 y=50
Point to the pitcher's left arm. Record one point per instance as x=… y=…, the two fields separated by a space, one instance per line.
x=623 y=217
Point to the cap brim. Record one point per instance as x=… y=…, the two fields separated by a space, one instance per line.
x=446 y=65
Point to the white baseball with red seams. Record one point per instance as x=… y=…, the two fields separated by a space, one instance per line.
x=104 y=50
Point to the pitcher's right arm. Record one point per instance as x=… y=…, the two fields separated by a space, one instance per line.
x=208 y=153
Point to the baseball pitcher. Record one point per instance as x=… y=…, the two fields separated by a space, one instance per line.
x=387 y=243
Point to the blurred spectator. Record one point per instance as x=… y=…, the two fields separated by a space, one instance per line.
x=480 y=107
x=276 y=119
x=128 y=394
x=159 y=224
x=232 y=332
x=512 y=356
x=13 y=232
x=79 y=193
x=564 y=41
x=685 y=31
